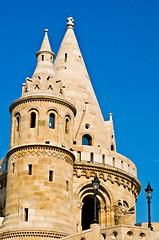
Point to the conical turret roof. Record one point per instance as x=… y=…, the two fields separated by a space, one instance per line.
x=70 y=69
x=45 y=46
x=43 y=80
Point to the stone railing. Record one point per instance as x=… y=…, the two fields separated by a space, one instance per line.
x=125 y=232
x=106 y=158
x=84 y=235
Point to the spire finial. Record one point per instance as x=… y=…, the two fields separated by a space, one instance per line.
x=111 y=116
x=70 y=23
x=46 y=30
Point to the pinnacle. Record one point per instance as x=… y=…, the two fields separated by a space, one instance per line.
x=70 y=23
x=45 y=44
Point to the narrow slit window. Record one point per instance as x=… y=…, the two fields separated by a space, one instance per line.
x=17 y=123
x=113 y=162
x=112 y=147
x=33 y=120
x=122 y=164
x=26 y=214
x=103 y=159
x=13 y=167
x=30 y=169
x=42 y=57
x=52 y=121
x=67 y=185
x=67 y=126
x=50 y=175
x=91 y=158
x=65 y=57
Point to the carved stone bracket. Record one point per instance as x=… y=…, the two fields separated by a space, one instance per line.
x=122 y=210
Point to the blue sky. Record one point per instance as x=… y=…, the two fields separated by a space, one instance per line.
x=119 y=41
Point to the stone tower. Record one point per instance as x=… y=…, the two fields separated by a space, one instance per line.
x=40 y=164
x=94 y=146
x=59 y=142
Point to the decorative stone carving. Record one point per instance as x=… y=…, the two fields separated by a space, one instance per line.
x=122 y=210
x=41 y=151
x=122 y=213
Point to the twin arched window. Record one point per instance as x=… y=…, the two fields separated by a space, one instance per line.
x=52 y=120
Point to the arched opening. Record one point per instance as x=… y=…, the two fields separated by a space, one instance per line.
x=88 y=211
x=52 y=121
x=17 y=123
x=33 y=120
x=67 y=123
x=87 y=140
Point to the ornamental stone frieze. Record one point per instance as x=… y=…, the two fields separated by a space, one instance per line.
x=108 y=174
x=43 y=150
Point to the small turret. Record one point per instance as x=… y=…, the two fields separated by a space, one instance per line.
x=43 y=80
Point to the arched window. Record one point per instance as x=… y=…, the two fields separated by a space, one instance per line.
x=17 y=124
x=52 y=120
x=87 y=140
x=33 y=120
x=67 y=124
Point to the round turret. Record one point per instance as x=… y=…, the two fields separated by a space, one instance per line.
x=40 y=164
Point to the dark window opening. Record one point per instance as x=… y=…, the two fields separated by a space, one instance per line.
x=113 y=162
x=87 y=140
x=112 y=147
x=122 y=164
x=87 y=126
x=88 y=210
x=33 y=120
x=91 y=158
x=74 y=142
x=65 y=57
x=103 y=159
x=52 y=121
x=30 y=169
x=13 y=167
x=26 y=214
x=17 y=123
x=42 y=57
x=67 y=185
x=67 y=126
x=50 y=175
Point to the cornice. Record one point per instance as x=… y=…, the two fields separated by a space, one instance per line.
x=46 y=98
x=108 y=173
x=41 y=149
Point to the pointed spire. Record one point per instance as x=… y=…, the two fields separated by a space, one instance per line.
x=45 y=46
x=71 y=70
x=43 y=80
